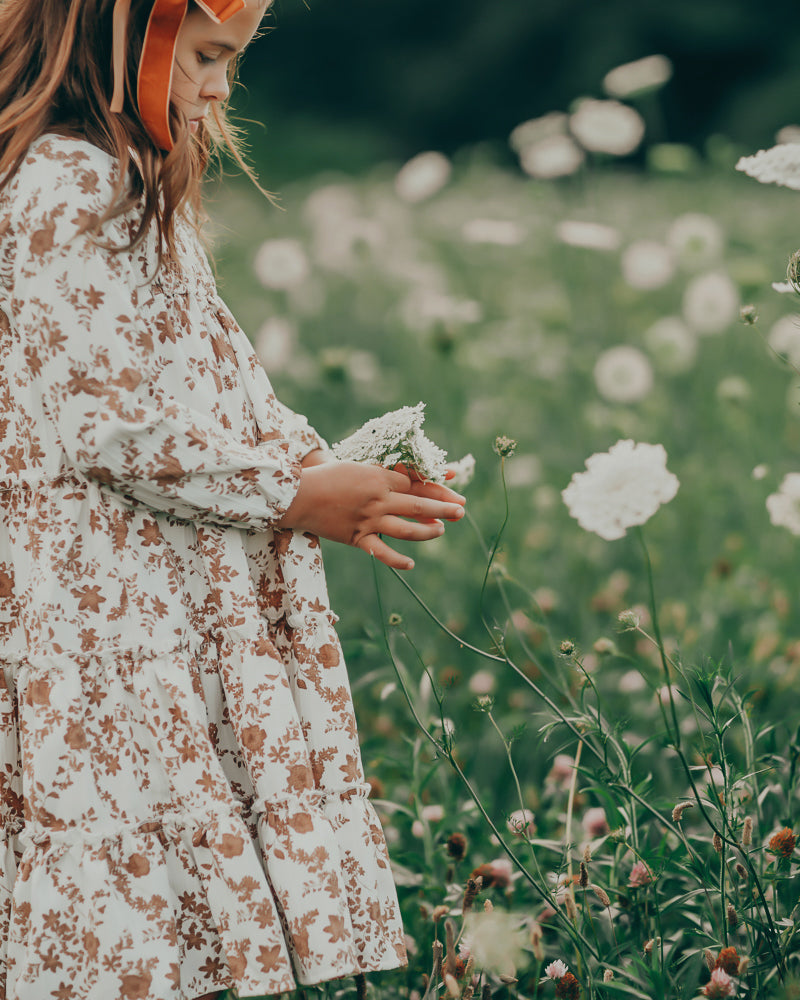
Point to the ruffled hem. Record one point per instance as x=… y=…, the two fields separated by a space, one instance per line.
x=179 y=906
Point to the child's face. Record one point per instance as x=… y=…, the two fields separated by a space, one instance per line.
x=202 y=54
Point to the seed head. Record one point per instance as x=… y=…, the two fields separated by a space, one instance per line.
x=747 y=831
x=472 y=890
x=587 y=855
x=602 y=895
x=536 y=942
x=569 y=905
x=679 y=810
x=731 y=915
x=741 y=871
x=743 y=963
x=717 y=842
x=708 y=955
x=439 y=911
x=453 y=989
x=504 y=446
x=748 y=315
x=488 y=906
x=395 y=619
x=583 y=881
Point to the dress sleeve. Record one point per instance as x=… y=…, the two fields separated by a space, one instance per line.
x=90 y=352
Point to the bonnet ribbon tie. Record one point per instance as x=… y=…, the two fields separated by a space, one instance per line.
x=154 y=81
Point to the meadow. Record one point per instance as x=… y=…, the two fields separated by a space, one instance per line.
x=584 y=751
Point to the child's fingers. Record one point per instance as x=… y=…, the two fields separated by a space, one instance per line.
x=422 y=508
x=410 y=531
x=375 y=546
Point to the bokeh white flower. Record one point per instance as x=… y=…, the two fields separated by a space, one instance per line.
x=639 y=77
x=281 y=264
x=623 y=374
x=275 y=342
x=552 y=157
x=522 y=822
x=423 y=176
x=528 y=133
x=620 y=488
x=647 y=265
x=672 y=345
x=711 y=302
x=696 y=240
x=607 y=126
x=500 y=232
x=778 y=165
x=589 y=235
x=496 y=939
x=482 y=681
x=784 y=506
x=784 y=338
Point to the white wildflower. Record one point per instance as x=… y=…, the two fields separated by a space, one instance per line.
x=696 y=240
x=789 y=133
x=589 y=235
x=647 y=265
x=281 y=264
x=778 y=165
x=535 y=129
x=274 y=343
x=500 y=232
x=496 y=939
x=784 y=506
x=607 y=127
x=330 y=203
x=554 y=156
x=631 y=682
x=464 y=470
x=620 y=488
x=672 y=345
x=734 y=389
x=556 y=970
x=711 y=302
x=425 y=307
x=623 y=374
x=784 y=339
x=783 y=287
x=395 y=437
x=640 y=77
x=760 y=472
x=482 y=682
x=422 y=176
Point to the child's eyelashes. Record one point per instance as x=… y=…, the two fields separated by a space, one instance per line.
x=205 y=60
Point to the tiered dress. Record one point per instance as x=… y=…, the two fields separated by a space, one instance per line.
x=183 y=802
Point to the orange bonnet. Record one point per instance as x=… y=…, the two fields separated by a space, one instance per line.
x=154 y=80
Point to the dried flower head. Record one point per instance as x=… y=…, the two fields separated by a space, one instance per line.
x=731 y=915
x=395 y=437
x=570 y=905
x=747 y=831
x=494 y=873
x=602 y=895
x=741 y=871
x=679 y=810
x=708 y=955
x=536 y=941
x=456 y=845
x=620 y=488
x=587 y=855
x=504 y=446
x=583 y=880
x=568 y=987
x=728 y=960
x=439 y=911
x=783 y=842
x=474 y=883
x=716 y=840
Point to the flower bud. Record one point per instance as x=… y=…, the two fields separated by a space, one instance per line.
x=748 y=315
x=504 y=446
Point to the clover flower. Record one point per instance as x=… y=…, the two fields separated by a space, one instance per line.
x=568 y=988
x=557 y=969
x=620 y=488
x=784 y=506
x=640 y=876
x=521 y=822
x=728 y=960
x=695 y=239
x=778 y=165
x=783 y=842
x=395 y=437
x=720 y=985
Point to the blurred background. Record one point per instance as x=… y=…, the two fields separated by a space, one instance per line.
x=343 y=83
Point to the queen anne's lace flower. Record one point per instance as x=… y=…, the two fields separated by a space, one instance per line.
x=395 y=437
x=779 y=165
x=620 y=488
x=784 y=506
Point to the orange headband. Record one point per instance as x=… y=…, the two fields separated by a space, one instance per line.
x=154 y=82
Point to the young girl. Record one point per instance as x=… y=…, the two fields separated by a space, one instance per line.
x=182 y=796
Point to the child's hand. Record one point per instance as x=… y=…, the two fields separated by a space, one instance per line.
x=356 y=504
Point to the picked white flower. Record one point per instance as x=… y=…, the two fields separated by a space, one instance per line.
x=778 y=165
x=784 y=506
x=623 y=374
x=620 y=488
x=588 y=235
x=463 y=469
x=554 y=156
x=496 y=939
x=281 y=264
x=395 y=437
x=422 y=176
x=711 y=302
x=607 y=127
x=647 y=265
x=639 y=77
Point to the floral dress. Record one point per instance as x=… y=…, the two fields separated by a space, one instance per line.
x=183 y=802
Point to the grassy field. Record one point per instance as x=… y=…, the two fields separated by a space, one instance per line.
x=519 y=688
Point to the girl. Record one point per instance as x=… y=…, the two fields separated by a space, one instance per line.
x=183 y=803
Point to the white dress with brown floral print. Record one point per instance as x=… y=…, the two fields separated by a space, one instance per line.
x=182 y=796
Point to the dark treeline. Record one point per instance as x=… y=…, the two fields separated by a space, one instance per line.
x=443 y=73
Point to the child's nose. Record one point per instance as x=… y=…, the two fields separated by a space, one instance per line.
x=216 y=86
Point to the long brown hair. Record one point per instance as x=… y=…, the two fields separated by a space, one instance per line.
x=56 y=76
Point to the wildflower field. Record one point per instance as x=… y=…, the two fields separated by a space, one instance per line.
x=582 y=730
